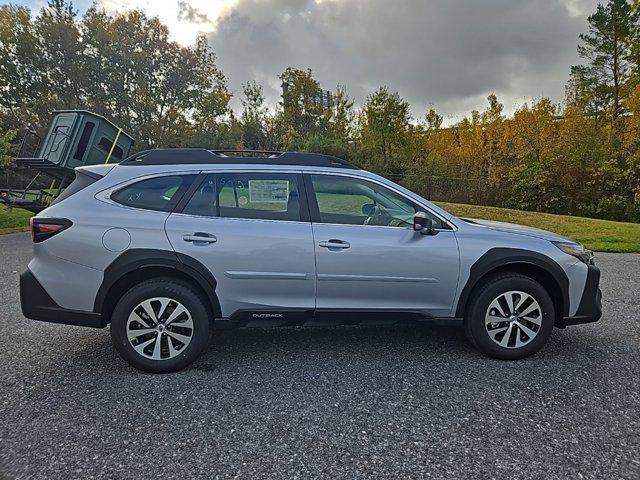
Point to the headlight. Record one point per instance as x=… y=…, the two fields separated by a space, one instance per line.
x=576 y=250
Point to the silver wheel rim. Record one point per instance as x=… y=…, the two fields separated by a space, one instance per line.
x=513 y=319
x=159 y=328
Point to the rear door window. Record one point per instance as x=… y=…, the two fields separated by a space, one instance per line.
x=157 y=193
x=260 y=196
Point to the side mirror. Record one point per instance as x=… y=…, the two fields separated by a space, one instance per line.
x=423 y=224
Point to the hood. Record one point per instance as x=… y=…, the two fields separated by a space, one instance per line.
x=520 y=229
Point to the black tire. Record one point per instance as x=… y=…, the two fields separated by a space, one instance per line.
x=176 y=290
x=482 y=297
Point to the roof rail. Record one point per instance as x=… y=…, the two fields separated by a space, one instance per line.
x=178 y=156
x=244 y=152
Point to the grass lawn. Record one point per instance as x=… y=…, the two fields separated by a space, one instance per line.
x=598 y=235
x=14 y=219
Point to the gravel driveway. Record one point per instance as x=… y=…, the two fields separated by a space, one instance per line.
x=390 y=402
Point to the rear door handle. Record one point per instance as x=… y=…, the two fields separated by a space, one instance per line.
x=200 y=237
x=333 y=243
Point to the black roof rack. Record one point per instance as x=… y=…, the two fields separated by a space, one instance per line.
x=178 y=156
x=270 y=153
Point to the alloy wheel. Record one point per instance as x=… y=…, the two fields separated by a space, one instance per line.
x=159 y=328
x=513 y=319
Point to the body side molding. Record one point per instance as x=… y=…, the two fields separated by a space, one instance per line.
x=265 y=275
x=373 y=278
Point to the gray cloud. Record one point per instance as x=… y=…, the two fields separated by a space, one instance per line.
x=191 y=14
x=447 y=54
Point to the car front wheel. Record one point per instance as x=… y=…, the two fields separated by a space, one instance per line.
x=160 y=325
x=510 y=316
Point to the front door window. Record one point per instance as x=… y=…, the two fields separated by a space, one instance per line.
x=353 y=201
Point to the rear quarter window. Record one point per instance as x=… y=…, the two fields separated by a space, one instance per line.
x=157 y=193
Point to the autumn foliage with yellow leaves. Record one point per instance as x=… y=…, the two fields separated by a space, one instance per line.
x=580 y=157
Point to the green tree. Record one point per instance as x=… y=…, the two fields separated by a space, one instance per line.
x=632 y=152
x=207 y=93
x=40 y=61
x=254 y=113
x=122 y=66
x=302 y=111
x=336 y=129
x=227 y=134
x=162 y=92
x=58 y=59
x=341 y=116
x=7 y=148
x=532 y=169
x=606 y=49
x=634 y=45
x=433 y=120
x=587 y=90
x=387 y=140
x=19 y=78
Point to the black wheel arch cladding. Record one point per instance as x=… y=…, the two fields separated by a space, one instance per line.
x=138 y=258
x=497 y=258
x=493 y=259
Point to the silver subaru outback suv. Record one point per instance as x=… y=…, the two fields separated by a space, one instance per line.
x=169 y=242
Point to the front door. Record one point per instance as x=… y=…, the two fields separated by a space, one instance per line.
x=368 y=257
x=251 y=231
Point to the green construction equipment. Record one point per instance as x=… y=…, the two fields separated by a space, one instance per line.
x=75 y=138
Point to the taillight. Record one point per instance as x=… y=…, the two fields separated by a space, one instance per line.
x=43 y=228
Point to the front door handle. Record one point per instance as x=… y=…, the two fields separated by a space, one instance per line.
x=333 y=243
x=200 y=237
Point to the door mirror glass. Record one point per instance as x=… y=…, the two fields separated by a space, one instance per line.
x=423 y=224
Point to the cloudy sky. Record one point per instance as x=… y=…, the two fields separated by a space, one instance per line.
x=447 y=54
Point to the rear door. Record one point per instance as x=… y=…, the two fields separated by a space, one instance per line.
x=252 y=231
x=368 y=257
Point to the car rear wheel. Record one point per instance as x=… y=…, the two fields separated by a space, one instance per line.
x=161 y=325
x=510 y=316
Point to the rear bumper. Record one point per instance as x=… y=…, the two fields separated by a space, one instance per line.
x=590 y=308
x=36 y=304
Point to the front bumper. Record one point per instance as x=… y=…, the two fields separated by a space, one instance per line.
x=590 y=308
x=36 y=304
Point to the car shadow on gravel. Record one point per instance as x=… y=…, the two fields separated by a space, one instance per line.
x=242 y=347
x=251 y=347
x=276 y=348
